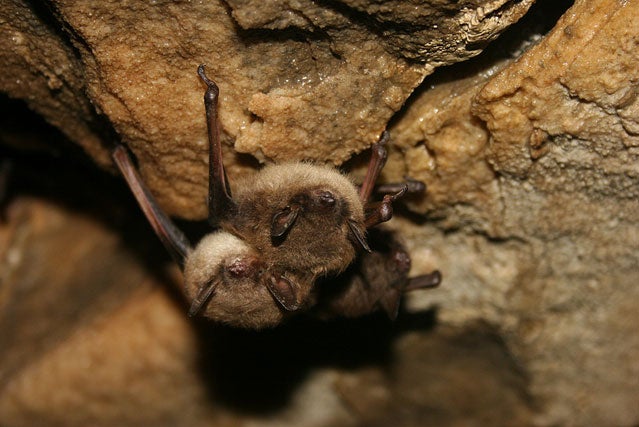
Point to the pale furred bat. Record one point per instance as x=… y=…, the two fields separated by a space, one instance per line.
x=285 y=228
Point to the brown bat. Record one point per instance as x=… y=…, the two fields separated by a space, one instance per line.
x=376 y=280
x=286 y=227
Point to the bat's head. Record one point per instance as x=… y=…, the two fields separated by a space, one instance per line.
x=306 y=216
x=224 y=279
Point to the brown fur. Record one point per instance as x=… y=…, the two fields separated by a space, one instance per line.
x=287 y=226
x=320 y=241
x=241 y=301
x=377 y=280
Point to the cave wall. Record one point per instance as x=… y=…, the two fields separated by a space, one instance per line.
x=527 y=142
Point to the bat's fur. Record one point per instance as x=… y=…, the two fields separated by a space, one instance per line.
x=287 y=227
x=319 y=242
x=374 y=281
x=301 y=256
x=214 y=259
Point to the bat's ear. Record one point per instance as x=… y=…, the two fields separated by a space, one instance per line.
x=283 y=221
x=285 y=291
x=390 y=303
x=359 y=235
x=203 y=296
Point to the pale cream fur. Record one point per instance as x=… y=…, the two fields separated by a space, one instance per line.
x=208 y=255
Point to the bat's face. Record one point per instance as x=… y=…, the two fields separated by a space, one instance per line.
x=319 y=235
x=225 y=280
x=244 y=303
x=302 y=216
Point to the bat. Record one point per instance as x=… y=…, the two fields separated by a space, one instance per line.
x=375 y=281
x=287 y=227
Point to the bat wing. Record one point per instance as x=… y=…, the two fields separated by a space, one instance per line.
x=172 y=237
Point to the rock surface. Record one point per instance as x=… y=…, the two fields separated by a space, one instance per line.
x=297 y=80
x=533 y=165
x=530 y=152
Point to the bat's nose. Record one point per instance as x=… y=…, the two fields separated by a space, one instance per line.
x=325 y=198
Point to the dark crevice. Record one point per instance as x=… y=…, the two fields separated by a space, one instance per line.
x=512 y=43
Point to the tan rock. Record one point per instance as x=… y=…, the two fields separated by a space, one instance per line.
x=531 y=162
x=322 y=94
x=562 y=143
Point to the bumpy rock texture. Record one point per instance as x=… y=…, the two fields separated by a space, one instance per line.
x=297 y=80
x=530 y=152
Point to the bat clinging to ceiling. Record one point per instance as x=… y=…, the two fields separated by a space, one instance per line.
x=288 y=226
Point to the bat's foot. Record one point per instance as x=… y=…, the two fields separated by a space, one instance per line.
x=425 y=281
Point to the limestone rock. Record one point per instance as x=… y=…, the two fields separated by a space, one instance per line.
x=529 y=151
x=563 y=142
x=533 y=169
x=322 y=94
